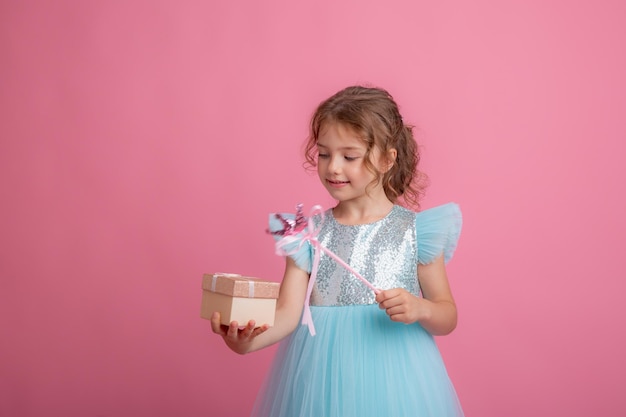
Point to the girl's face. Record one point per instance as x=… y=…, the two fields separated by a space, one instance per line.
x=341 y=166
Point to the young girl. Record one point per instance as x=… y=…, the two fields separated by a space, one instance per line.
x=373 y=353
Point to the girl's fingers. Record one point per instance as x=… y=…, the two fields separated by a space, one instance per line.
x=216 y=326
x=236 y=333
x=233 y=331
x=395 y=310
x=248 y=330
x=260 y=330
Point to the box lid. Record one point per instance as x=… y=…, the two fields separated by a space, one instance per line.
x=237 y=285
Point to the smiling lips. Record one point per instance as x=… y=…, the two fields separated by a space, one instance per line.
x=335 y=183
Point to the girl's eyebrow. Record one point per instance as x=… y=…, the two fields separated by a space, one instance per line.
x=344 y=148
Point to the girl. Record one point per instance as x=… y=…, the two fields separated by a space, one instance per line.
x=373 y=353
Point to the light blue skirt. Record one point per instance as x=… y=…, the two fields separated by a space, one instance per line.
x=359 y=364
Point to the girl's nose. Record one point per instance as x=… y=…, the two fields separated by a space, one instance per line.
x=334 y=165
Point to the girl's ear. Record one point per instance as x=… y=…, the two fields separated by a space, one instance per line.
x=390 y=159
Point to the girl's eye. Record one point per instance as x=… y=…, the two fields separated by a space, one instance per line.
x=351 y=158
x=322 y=155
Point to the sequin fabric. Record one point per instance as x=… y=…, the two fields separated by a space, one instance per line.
x=384 y=252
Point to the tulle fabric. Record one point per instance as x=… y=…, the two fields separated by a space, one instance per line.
x=438 y=230
x=359 y=364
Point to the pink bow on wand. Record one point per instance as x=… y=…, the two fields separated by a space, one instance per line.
x=301 y=231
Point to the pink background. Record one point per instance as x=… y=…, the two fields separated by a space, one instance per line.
x=144 y=143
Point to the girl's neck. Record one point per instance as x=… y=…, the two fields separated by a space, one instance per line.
x=352 y=213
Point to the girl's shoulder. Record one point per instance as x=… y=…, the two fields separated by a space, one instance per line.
x=438 y=230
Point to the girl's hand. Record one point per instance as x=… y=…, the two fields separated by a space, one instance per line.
x=435 y=310
x=238 y=340
x=402 y=306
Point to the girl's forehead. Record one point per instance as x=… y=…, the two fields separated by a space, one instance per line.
x=339 y=133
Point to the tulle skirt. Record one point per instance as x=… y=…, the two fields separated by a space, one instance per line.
x=359 y=364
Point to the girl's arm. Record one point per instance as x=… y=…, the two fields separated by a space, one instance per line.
x=288 y=311
x=435 y=311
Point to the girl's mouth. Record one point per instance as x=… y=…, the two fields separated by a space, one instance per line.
x=335 y=183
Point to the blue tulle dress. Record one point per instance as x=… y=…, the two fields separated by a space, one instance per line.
x=360 y=363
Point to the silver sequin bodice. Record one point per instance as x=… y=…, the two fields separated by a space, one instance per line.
x=383 y=252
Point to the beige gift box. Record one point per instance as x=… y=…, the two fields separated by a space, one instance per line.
x=239 y=299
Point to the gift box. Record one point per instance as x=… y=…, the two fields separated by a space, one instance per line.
x=239 y=298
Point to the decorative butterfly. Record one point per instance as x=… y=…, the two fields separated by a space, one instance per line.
x=290 y=226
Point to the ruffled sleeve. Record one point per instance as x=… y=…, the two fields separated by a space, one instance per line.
x=438 y=230
x=303 y=256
